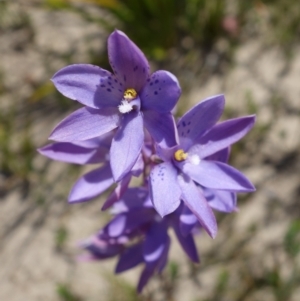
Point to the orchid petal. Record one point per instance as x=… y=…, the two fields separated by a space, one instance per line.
x=161 y=127
x=89 y=85
x=100 y=249
x=91 y=184
x=164 y=189
x=131 y=257
x=222 y=135
x=126 y=145
x=127 y=61
x=138 y=167
x=161 y=92
x=103 y=141
x=117 y=193
x=196 y=202
x=217 y=175
x=164 y=257
x=134 y=197
x=187 y=221
x=155 y=242
x=186 y=242
x=72 y=153
x=86 y=123
x=126 y=223
x=147 y=272
x=222 y=155
x=224 y=201
x=156 y=247
x=199 y=119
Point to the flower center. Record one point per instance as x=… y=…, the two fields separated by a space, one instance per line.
x=180 y=155
x=128 y=96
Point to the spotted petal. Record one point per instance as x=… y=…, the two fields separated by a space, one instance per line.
x=199 y=119
x=217 y=175
x=127 y=61
x=91 y=184
x=164 y=189
x=86 y=123
x=126 y=145
x=89 y=85
x=161 y=92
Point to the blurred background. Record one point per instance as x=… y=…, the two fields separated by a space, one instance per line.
x=248 y=50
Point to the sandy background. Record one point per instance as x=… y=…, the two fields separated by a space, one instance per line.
x=38 y=229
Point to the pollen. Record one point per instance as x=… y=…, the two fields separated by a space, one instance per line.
x=129 y=94
x=125 y=107
x=180 y=155
x=194 y=159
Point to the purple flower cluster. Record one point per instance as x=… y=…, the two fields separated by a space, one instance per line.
x=127 y=126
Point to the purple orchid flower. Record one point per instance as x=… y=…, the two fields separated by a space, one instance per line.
x=187 y=168
x=135 y=218
x=126 y=100
x=95 y=182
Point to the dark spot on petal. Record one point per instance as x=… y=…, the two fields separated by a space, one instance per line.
x=144 y=70
x=108 y=90
x=188 y=131
x=124 y=78
x=155 y=92
x=189 y=123
x=183 y=123
x=116 y=81
x=103 y=86
x=156 y=81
